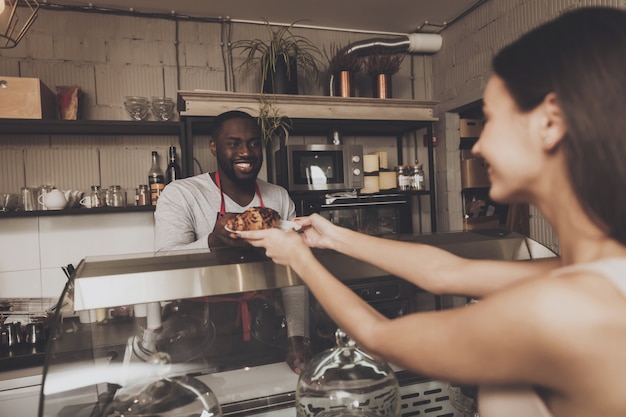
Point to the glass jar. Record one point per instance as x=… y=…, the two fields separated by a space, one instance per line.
x=417 y=172
x=115 y=196
x=404 y=178
x=345 y=381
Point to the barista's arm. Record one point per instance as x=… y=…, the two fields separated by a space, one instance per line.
x=175 y=225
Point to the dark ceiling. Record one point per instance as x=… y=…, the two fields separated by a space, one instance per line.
x=375 y=16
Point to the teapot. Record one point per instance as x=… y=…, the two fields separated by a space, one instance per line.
x=53 y=200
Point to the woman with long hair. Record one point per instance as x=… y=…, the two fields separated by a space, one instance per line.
x=548 y=337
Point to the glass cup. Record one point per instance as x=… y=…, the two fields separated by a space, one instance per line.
x=96 y=197
x=27 y=199
x=5 y=199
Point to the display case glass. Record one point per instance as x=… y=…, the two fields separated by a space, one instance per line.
x=200 y=333
x=148 y=325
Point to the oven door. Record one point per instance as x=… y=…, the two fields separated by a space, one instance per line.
x=379 y=215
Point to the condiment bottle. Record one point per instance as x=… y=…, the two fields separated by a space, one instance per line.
x=156 y=179
x=173 y=170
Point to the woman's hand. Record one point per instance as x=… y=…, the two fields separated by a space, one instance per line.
x=317 y=231
x=285 y=248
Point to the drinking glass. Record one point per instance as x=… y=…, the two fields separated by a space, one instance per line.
x=4 y=201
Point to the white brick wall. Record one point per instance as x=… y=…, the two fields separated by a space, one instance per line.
x=110 y=57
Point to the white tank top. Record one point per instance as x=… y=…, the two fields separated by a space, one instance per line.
x=523 y=401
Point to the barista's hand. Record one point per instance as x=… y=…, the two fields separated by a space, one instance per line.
x=299 y=353
x=222 y=237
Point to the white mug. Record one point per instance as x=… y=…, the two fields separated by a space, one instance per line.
x=86 y=201
x=73 y=198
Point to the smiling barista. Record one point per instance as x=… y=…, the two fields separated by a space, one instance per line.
x=191 y=214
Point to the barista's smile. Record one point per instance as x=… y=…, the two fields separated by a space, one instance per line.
x=243 y=166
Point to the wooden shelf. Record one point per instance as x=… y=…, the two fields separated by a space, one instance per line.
x=87 y=127
x=212 y=103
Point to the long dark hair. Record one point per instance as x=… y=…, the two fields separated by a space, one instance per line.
x=581 y=57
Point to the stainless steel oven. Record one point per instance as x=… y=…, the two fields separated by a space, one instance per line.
x=374 y=214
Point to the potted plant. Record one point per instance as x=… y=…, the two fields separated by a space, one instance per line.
x=279 y=58
x=381 y=67
x=272 y=123
x=342 y=67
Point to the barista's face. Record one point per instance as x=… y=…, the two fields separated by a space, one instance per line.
x=239 y=150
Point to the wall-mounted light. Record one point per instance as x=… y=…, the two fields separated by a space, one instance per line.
x=16 y=17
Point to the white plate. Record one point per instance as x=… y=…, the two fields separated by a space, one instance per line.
x=287 y=225
x=284 y=225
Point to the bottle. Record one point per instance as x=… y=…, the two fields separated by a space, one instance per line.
x=156 y=179
x=173 y=170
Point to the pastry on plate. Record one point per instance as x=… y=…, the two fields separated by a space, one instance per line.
x=254 y=218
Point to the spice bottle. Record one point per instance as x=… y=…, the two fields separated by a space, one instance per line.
x=156 y=179
x=142 y=195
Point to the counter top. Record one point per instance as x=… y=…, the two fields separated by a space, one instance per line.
x=20 y=378
x=75 y=211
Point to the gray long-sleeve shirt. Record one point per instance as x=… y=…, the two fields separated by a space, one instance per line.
x=186 y=214
x=187 y=211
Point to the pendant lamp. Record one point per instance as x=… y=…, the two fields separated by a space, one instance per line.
x=16 y=17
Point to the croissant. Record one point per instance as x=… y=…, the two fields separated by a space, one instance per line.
x=254 y=218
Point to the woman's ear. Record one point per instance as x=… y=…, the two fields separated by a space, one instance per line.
x=554 y=127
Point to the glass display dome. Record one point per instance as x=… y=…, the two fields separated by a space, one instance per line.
x=345 y=381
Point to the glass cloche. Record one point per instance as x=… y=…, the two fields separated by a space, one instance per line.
x=345 y=381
